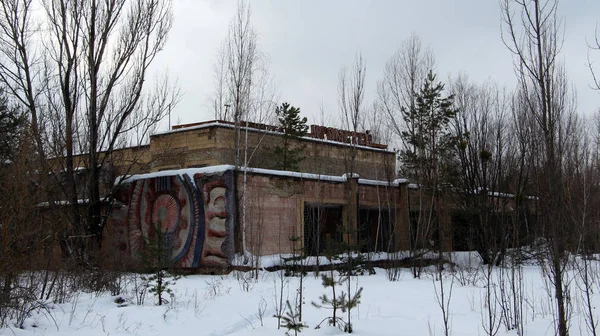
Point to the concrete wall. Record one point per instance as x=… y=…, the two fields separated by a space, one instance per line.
x=197 y=208
x=215 y=145
x=275 y=209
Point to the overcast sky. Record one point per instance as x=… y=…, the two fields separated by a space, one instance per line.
x=307 y=41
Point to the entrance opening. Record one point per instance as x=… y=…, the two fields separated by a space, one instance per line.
x=375 y=230
x=322 y=227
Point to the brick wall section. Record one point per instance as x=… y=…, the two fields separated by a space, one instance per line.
x=215 y=145
x=275 y=209
x=271 y=213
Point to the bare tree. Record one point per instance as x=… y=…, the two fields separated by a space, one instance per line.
x=243 y=85
x=372 y=123
x=403 y=77
x=244 y=90
x=351 y=91
x=236 y=66
x=84 y=71
x=532 y=32
x=582 y=170
x=21 y=63
x=482 y=129
x=24 y=243
x=594 y=46
x=485 y=192
x=517 y=214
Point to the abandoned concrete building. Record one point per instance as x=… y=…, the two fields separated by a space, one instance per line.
x=186 y=181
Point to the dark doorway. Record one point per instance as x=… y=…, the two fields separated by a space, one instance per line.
x=375 y=230
x=463 y=230
x=323 y=227
x=423 y=227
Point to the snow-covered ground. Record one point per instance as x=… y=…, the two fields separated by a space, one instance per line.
x=228 y=305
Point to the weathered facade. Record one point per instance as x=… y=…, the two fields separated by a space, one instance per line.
x=187 y=186
x=321 y=210
x=208 y=219
x=213 y=143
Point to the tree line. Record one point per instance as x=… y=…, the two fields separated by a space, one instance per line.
x=74 y=87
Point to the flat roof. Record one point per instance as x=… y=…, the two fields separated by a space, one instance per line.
x=269 y=129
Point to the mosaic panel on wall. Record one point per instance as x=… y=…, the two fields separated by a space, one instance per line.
x=196 y=215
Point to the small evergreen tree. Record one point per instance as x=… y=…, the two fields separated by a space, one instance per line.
x=291 y=320
x=353 y=264
x=288 y=152
x=334 y=303
x=157 y=256
x=294 y=266
x=339 y=300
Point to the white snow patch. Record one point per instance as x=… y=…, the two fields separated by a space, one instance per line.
x=219 y=305
x=393 y=183
x=222 y=168
x=186 y=171
x=79 y=201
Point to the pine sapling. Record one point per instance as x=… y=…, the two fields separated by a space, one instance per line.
x=157 y=257
x=291 y=320
x=334 y=303
x=352 y=302
x=294 y=266
x=342 y=301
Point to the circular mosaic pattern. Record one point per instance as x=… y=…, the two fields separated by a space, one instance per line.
x=165 y=212
x=196 y=228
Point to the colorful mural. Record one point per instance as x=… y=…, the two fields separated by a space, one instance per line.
x=195 y=212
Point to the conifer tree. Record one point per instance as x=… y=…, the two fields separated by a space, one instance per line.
x=339 y=300
x=157 y=257
x=294 y=266
x=431 y=141
x=428 y=160
x=289 y=153
x=291 y=320
x=12 y=125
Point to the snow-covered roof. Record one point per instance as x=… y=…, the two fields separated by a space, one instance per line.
x=171 y=172
x=222 y=168
x=393 y=183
